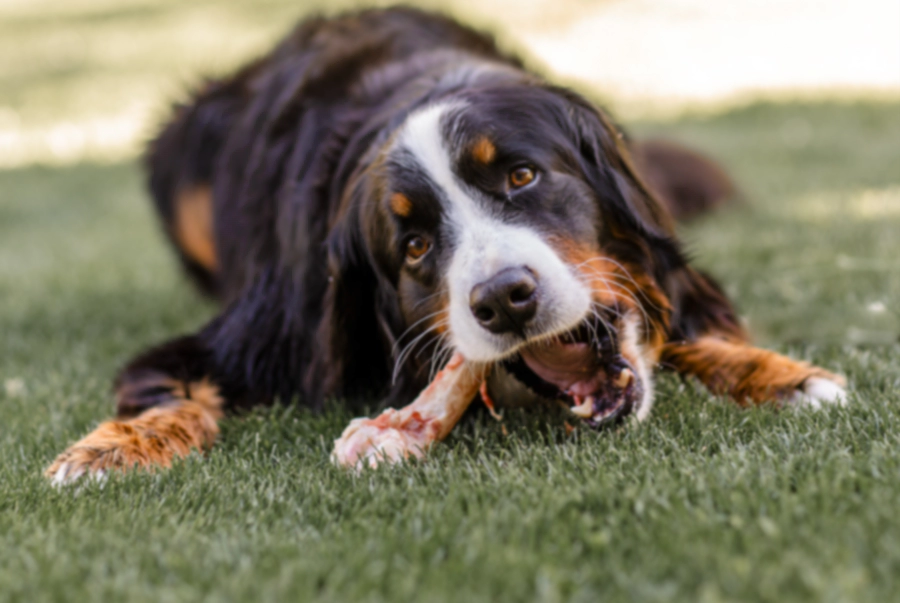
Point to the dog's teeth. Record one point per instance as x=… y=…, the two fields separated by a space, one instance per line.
x=624 y=379
x=584 y=410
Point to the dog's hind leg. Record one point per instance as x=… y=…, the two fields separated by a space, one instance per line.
x=181 y=162
x=168 y=405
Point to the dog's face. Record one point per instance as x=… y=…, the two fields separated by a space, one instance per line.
x=510 y=238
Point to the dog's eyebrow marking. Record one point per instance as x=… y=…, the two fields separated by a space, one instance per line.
x=484 y=150
x=401 y=205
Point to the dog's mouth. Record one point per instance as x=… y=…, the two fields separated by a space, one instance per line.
x=584 y=369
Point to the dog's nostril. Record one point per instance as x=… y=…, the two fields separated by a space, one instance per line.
x=523 y=293
x=483 y=313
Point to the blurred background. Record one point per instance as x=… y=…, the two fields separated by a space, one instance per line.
x=800 y=99
x=87 y=79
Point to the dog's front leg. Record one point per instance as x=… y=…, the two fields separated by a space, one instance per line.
x=751 y=375
x=168 y=405
x=154 y=438
x=408 y=432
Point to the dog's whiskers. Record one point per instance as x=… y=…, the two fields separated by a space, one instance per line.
x=413 y=326
x=410 y=347
x=627 y=276
x=442 y=352
x=624 y=292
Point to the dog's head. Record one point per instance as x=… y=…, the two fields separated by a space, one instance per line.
x=506 y=222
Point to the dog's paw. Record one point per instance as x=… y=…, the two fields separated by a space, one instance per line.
x=817 y=392
x=113 y=445
x=117 y=445
x=389 y=438
x=73 y=465
x=153 y=439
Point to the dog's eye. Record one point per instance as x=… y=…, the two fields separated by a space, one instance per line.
x=521 y=176
x=416 y=248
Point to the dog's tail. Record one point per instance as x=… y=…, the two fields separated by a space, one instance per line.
x=688 y=182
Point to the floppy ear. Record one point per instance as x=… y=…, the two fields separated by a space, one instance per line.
x=643 y=231
x=361 y=314
x=349 y=341
x=608 y=166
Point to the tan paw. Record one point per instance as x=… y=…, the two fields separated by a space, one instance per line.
x=153 y=439
x=113 y=445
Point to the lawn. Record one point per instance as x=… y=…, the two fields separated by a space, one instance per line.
x=702 y=502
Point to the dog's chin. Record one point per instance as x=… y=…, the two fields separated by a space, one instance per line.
x=585 y=370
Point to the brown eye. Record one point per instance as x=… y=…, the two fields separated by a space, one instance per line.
x=416 y=248
x=520 y=177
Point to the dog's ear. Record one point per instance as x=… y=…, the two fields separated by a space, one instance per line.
x=607 y=164
x=634 y=226
x=361 y=309
x=643 y=230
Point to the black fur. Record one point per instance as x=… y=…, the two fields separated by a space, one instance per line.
x=310 y=273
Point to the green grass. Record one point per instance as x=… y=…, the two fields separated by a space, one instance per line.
x=703 y=502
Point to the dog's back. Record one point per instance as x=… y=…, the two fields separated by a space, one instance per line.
x=203 y=161
x=217 y=167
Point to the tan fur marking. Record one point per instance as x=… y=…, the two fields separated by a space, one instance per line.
x=152 y=439
x=193 y=227
x=616 y=285
x=749 y=375
x=484 y=150
x=401 y=205
x=440 y=324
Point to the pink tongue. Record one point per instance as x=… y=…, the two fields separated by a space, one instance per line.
x=572 y=367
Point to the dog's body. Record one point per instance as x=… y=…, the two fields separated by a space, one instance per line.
x=386 y=188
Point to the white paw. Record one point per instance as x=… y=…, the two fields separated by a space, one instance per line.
x=817 y=392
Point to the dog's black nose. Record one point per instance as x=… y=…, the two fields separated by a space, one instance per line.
x=506 y=301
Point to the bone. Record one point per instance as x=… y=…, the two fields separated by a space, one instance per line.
x=398 y=434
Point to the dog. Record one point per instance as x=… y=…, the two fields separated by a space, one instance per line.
x=386 y=189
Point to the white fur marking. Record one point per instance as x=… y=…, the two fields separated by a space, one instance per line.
x=632 y=349
x=64 y=477
x=485 y=245
x=817 y=392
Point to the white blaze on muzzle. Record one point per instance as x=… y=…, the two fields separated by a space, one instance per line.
x=484 y=244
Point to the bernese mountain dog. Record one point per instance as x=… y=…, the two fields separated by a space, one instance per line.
x=387 y=197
